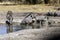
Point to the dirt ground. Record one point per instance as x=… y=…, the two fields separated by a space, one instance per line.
x=27 y=8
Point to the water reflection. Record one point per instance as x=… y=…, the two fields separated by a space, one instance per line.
x=9 y=28
x=4 y=29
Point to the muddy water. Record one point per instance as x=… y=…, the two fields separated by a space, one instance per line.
x=17 y=18
x=3 y=28
x=16 y=23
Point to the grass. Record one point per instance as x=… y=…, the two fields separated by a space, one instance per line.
x=27 y=8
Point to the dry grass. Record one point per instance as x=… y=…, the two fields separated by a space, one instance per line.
x=27 y=8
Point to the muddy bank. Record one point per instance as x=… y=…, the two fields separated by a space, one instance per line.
x=33 y=34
